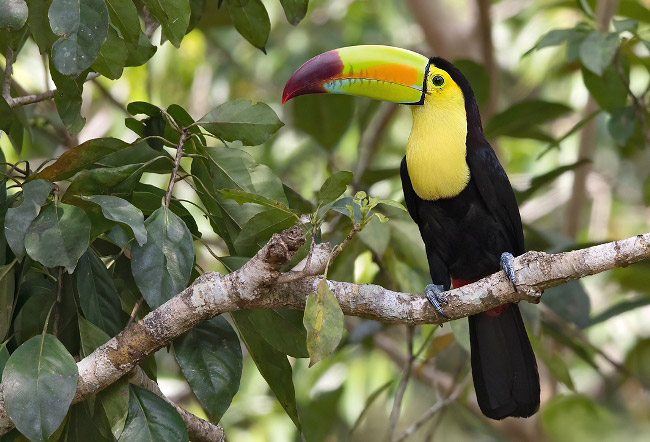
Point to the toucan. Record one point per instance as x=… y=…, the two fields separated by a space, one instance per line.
x=457 y=193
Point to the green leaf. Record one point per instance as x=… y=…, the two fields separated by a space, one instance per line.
x=621 y=124
x=247 y=197
x=552 y=38
x=58 y=236
x=13 y=14
x=151 y=419
x=325 y=118
x=19 y=218
x=4 y=357
x=80 y=157
x=39 y=24
x=517 y=120
x=115 y=180
x=173 y=15
x=11 y=125
x=272 y=365
x=261 y=227
x=124 y=16
x=625 y=25
x=283 y=329
x=99 y=300
x=147 y=198
x=295 y=10
x=324 y=323
x=139 y=53
x=162 y=267
x=67 y=99
x=570 y=302
x=608 y=90
x=576 y=418
x=81 y=427
x=91 y=336
x=252 y=124
x=112 y=56
x=597 y=51
x=114 y=400
x=634 y=9
x=30 y=320
x=553 y=362
x=121 y=211
x=251 y=20
x=39 y=380
x=478 y=77
x=211 y=360
x=6 y=298
x=334 y=187
x=82 y=27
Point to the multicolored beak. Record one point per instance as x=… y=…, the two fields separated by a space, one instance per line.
x=384 y=73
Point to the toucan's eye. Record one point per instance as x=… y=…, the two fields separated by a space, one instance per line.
x=438 y=80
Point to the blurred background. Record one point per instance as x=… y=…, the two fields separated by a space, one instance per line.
x=579 y=162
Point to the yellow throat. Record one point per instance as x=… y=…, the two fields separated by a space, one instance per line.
x=436 y=149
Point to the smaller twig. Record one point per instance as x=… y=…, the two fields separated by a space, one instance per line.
x=177 y=162
x=356 y=227
x=401 y=388
x=135 y=310
x=150 y=23
x=47 y=95
x=6 y=84
x=59 y=299
x=106 y=93
x=435 y=408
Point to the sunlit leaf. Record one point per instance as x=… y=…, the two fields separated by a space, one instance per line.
x=211 y=360
x=252 y=124
x=19 y=218
x=333 y=187
x=173 y=15
x=162 y=266
x=251 y=20
x=124 y=16
x=597 y=51
x=58 y=236
x=324 y=323
x=82 y=27
x=39 y=380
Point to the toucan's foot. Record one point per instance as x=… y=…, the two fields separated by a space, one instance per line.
x=434 y=294
x=507 y=264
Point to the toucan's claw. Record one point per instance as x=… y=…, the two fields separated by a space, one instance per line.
x=434 y=294
x=507 y=264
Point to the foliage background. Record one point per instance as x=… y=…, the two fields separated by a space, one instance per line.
x=592 y=338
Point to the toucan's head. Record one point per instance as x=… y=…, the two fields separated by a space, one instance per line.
x=386 y=73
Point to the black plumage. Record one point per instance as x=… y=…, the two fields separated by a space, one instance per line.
x=465 y=236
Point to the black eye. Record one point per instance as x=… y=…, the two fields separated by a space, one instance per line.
x=438 y=80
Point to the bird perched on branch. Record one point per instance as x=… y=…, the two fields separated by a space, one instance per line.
x=458 y=194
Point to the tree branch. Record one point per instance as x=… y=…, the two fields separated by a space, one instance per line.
x=6 y=83
x=47 y=95
x=256 y=285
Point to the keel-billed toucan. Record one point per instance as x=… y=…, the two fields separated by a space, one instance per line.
x=457 y=193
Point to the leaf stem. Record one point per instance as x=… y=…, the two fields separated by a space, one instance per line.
x=177 y=162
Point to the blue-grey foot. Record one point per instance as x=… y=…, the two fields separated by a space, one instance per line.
x=434 y=294
x=508 y=266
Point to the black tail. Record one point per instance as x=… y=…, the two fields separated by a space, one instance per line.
x=503 y=365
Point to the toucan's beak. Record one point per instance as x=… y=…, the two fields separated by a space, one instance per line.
x=381 y=72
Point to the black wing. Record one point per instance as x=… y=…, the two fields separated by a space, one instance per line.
x=496 y=192
x=410 y=197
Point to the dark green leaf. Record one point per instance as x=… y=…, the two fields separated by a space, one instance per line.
x=4 y=357
x=273 y=365
x=91 y=336
x=517 y=120
x=246 y=197
x=252 y=124
x=6 y=298
x=334 y=187
x=82 y=27
x=124 y=16
x=173 y=15
x=325 y=118
x=80 y=157
x=114 y=400
x=151 y=419
x=58 y=236
x=162 y=266
x=210 y=357
x=13 y=14
x=608 y=90
x=634 y=9
x=540 y=180
x=571 y=418
x=621 y=124
x=111 y=180
x=112 y=56
x=552 y=38
x=251 y=20
x=625 y=25
x=570 y=302
x=598 y=50
x=324 y=323
x=98 y=297
x=30 y=320
x=283 y=329
x=81 y=427
x=140 y=52
x=19 y=218
x=147 y=198
x=295 y=10
x=261 y=227
x=39 y=24
x=67 y=98
x=121 y=211
x=39 y=380
x=11 y=125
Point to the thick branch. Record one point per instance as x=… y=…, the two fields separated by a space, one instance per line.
x=256 y=285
